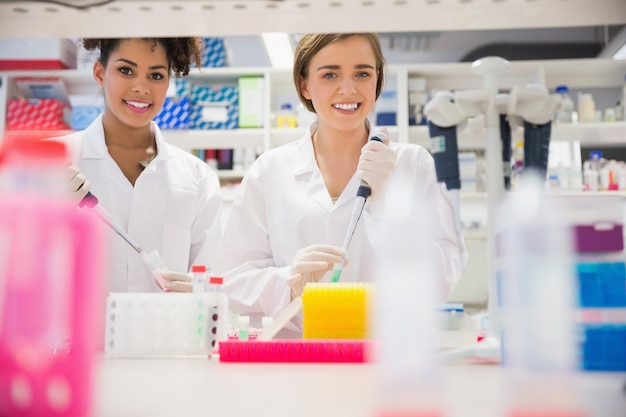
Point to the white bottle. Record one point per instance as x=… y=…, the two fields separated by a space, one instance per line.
x=564 y=115
x=586 y=108
x=198 y=278
x=219 y=309
x=538 y=304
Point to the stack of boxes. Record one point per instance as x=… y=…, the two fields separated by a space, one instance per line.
x=43 y=105
x=601 y=276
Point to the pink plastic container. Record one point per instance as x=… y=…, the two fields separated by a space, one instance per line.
x=51 y=304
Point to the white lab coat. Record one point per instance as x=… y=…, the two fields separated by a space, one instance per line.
x=283 y=205
x=174 y=207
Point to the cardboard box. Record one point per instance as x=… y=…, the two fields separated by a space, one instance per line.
x=37 y=54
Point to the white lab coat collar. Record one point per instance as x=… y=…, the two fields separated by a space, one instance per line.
x=307 y=165
x=95 y=147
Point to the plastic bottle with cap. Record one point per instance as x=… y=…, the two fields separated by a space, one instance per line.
x=586 y=108
x=198 y=278
x=564 y=115
x=35 y=167
x=286 y=117
x=219 y=306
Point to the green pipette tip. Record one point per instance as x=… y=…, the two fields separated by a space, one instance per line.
x=336 y=275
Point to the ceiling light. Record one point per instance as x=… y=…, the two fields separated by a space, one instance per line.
x=279 y=49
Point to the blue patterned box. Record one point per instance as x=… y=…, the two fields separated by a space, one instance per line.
x=214 y=107
x=182 y=87
x=175 y=113
x=214 y=52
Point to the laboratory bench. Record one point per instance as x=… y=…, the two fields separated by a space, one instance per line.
x=199 y=386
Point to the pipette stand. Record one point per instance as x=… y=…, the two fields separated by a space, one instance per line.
x=522 y=103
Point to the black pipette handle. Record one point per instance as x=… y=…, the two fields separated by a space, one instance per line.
x=364 y=188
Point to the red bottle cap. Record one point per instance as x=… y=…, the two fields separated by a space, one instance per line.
x=216 y=280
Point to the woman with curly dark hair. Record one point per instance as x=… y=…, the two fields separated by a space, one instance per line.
x=165 y=198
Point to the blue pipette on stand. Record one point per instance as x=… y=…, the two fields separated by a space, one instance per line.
x=153 y=260
x=362 y=194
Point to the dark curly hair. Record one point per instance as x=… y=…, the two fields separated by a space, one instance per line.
x=180 y=52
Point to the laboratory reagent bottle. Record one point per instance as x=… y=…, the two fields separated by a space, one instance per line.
x=286 y=117
x=218 y=314
x=198 y=279
x=564 y=115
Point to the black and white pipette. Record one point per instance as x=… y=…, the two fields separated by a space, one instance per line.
x=362 y=194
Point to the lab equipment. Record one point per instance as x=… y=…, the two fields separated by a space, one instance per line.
x=537 y=283
x=152 y=259
x=220 y=310
x=244 y=327
x=536 y=147
x=282 y=319
x=163 y=324
x=362 y=194
x=405 y=317
x=310 y=351
x=336 y=310
x=51 y=275
x=566 y=112
x=505 y=134
x=198 y=280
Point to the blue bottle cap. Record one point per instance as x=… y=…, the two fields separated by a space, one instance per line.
x=562 y=89
x=595 y=155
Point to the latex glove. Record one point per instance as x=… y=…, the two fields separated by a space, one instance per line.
x=376 y=165
x=78 y=185
x=176 y=281
x=310 y=264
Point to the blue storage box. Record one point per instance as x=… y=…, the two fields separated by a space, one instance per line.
x=214 y=52
x=601 y=284
x=214 y=107
x=175 y=113
x=604 y=348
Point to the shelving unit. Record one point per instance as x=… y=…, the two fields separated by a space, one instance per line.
x=580 y=73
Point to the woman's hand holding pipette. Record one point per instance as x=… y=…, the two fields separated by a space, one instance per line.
x=376 y=163
x=78 y=184
x=310 y=264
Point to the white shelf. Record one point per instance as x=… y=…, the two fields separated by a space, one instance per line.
x=125 y=18
x=214 y=139
x=606 y=134
x=579 y=73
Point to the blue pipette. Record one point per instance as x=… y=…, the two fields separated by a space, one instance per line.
x=362 y=194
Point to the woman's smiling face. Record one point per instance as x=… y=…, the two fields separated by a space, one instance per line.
x=341 y=82
x=135 y=81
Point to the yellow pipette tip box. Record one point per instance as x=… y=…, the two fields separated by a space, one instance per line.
x=336 y=310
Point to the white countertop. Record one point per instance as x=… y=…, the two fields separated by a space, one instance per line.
x=206 y=387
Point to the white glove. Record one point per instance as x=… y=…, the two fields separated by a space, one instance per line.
x=78 y=186
x=176 y=281
x=310 y=264
x=376 y=164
